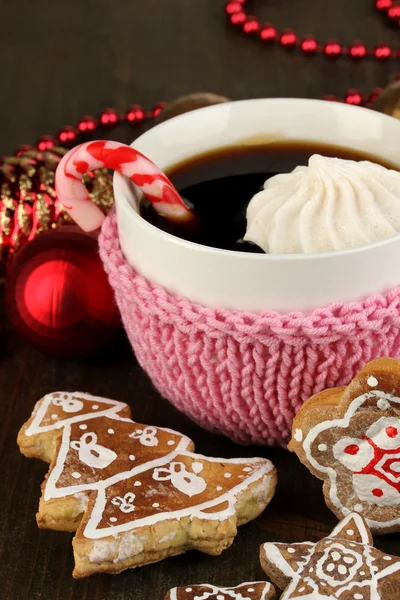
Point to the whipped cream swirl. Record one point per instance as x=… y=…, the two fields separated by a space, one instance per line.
x=331 y=204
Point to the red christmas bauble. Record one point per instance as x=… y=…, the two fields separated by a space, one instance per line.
x=58 y=297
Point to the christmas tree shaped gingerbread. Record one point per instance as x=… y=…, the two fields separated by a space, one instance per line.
x=135 y=494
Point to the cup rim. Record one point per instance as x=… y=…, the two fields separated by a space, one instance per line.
x=118 y=182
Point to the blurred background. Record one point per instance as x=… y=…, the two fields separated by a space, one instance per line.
x=61 y=60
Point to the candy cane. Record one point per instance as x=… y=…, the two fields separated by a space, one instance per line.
x=129 y=162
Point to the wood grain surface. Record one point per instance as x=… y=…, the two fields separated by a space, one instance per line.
x=58 y=61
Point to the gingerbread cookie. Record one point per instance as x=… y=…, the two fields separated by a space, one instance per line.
x=350 y=438
x=342 y=566
x=135 y=494
x=259 y=590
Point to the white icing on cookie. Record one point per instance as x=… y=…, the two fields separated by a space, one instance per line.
x=222 y=593
x=125 y=503
x=197 y=467
x=372 y=381
x=261 y=473
x=298 y=435
x=332 y=562
x=384 y=434
x=53 y=491
x=374 y=490
x=383 y=404
x=184 y=481
x=176 y=467
x=147 y=437
x=71 y=403
x=68 y=403
x=353 y=453
x=92 y=454
x=328 y=563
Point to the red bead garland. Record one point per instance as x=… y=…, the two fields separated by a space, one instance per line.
x=269 y=33
x=332 y=49
x=288 y=39
x=383 y=5
x=87 y=125
x=68 y=135
x=251 y=26
x=233 y=7
x=46 y=142
x=135 y=114
x=157 y=109
x=394 y=13
x=383 y=52
x=238 y=18
x=309 y=45
x=358 y=50
x=109 y=117
x=353 y=97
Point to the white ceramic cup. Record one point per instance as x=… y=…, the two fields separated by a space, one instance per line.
x=259 y=282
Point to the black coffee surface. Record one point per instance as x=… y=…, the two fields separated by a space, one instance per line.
x=219 y=185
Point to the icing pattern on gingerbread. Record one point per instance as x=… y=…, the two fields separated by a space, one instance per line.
x=343 y=565
x=368 y=462
x=147 y=436
x=91 y=453
x=126 y=463
x=246 y=591
x=73 y=406
x=184 y=481
x=125 y=504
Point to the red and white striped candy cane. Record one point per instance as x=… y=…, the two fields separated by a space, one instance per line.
x=129 y=162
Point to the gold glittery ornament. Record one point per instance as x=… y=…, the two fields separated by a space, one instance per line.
x=28 y=200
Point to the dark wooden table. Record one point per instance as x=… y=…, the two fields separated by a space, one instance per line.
x=58 y=61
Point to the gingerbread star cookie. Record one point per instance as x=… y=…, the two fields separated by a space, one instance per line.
x=135 y=494
x=350 y=438
x=343 y=566
x=259 y=590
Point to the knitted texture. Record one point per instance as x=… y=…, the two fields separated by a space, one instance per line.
x=242 y=374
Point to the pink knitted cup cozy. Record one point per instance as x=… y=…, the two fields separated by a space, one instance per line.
x=242 y=374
